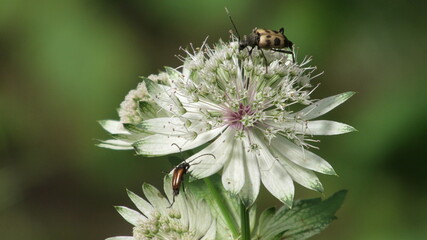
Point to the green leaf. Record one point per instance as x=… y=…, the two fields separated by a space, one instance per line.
x=305 y=219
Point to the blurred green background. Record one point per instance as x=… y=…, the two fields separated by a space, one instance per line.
x=66 y=64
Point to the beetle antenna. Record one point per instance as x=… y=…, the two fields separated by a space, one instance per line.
x=232 y=22
x=180 y=149
x=206 y=154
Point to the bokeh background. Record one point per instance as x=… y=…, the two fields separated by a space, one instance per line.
x=66 y=64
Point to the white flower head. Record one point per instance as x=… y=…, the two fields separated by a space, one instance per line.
x=130 y=108
x=255 y=118
x=187 y=219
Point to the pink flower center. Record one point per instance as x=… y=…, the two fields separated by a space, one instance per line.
x=234 y=119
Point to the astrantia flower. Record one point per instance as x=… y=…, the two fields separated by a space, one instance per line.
x=187 y=219
x=257 y=121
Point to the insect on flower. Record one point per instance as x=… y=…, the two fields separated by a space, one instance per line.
x=179 y=172
x=264 y=39
x=258 y=126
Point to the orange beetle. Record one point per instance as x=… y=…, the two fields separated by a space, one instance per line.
x=178 y=178
x=178 y=175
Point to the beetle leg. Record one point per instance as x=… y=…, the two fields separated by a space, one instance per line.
x=286 y=51
x=265 y=59
x=250 y=51
x=183 y=187
x=173 y=200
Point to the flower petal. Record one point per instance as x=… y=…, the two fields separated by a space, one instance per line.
x=273 y=175
x=120 y=238
x=165 y=97
x=193 y=210
x=300 y=175
x=211 y=233
x=156 y=199
x=113 y=127
x=149 y=110
x=184 y=207
x=115 y=144
x=169 y=126
x=140 y=203
x=181 y=201
x=279 y=183
x=233 y=175
x=300 y=156
x=131 y=216
x=250 y=190
x=204 y=221
x=208 y=165
x=320 y=127
x=158 y=145
x=323 y=106
x=167 y=186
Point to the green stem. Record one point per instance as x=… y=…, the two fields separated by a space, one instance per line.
x=226 y=213
x=244 y=220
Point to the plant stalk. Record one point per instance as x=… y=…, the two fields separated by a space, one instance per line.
x=244 y=220
x=226 y=213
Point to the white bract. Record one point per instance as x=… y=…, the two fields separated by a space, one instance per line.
x=187 y=219
x=256 y=120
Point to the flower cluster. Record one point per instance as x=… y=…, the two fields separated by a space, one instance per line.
x=187 y=219
x=255 y=117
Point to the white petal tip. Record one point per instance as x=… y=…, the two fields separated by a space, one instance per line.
x=345 y=96
x=349 y=94
x=329 y=171
x=349 y=128
x=112 y=145
x=317 y=186
x=288 y=200
x=130 y=193
x=146 y=186
x=248 y=202
x=147 y=189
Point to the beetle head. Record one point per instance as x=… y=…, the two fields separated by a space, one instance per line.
x=288 y=44
x=243 y=43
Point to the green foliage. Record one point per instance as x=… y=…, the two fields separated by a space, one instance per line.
x=305 y=219
x=223 y=205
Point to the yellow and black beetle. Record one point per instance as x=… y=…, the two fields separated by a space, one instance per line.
x=265 y=39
